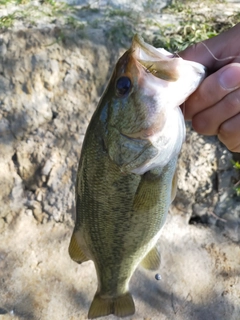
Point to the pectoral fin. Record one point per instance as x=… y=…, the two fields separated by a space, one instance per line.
x=152 y=260
x=174 y=186
x=75 y=251
x=147 y=194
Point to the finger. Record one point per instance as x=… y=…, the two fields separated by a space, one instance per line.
x=209 y=121
x=213 y=89
x=229 y=133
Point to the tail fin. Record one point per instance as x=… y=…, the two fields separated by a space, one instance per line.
x=121 y=306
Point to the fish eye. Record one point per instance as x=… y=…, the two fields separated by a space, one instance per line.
x=123 y=86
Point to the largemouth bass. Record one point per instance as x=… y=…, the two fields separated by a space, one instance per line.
x=126 y=177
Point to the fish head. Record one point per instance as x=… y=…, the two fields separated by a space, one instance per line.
x=144 y=126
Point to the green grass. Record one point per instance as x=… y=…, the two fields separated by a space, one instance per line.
x=120 y=32
x=31 y=13
x=193 y=23
x=119 y=13
x=236 y=165
x=50 y=2
x=74 y=23
x=194 y=26
x=121 y=25
x=5 y=2
x=8 y=20
x=22 y=1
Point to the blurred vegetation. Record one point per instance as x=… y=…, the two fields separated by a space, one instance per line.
x=193 y=21
x=30 y=12
x=236 y=165
x=197 y=21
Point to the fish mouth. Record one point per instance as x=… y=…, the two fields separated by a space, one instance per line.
x=161 y=65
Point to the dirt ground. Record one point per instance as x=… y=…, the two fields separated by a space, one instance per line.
x=199 y=275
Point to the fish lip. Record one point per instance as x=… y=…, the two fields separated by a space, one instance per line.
x=161 y=63
x=150 y=51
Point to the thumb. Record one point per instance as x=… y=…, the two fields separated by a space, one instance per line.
x=214 y=91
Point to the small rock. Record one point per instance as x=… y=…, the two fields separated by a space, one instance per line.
x=27 y=87
x=37 y=211
x=4 y=84
x=3 y=49
x=71 y=78
x=39 y=195
x=29 y=212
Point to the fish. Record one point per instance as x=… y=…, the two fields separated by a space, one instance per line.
x=126 y=178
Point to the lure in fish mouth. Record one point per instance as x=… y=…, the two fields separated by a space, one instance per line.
x=126 y=176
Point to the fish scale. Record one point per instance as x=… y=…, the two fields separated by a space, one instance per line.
x=127 y=171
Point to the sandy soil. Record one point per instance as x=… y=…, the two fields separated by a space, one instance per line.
x=199 y=275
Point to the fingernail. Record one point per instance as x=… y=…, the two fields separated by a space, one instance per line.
x=230 y=77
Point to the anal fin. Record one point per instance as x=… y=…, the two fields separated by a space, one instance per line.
x=121 y=306
x=75 y=251
x=152 y=260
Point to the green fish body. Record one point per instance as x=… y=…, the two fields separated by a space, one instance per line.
x=127 y=171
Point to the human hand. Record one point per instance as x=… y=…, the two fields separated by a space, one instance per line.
x=214 y=107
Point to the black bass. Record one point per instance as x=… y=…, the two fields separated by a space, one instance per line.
x=126 y=177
